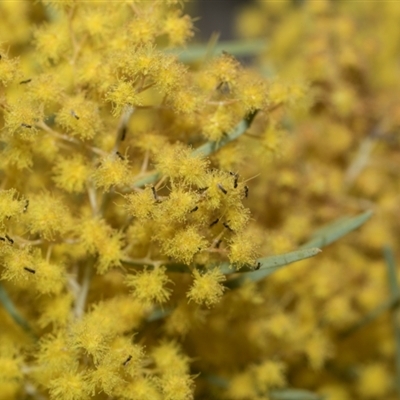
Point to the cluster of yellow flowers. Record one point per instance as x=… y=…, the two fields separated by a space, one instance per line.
x=120 y=201
x=138 y=193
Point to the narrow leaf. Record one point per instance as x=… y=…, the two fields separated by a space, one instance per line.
x=332 y=232
x=269 y=265
x=147 y=179
x=281 y=394
x=294 y=394
x=158 y=313
x=394 y=292
x=236 y=48
x=387 y=305
x=321 y=238
x=211 y=147
x=12 y=311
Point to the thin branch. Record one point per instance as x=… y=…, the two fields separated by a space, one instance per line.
x=92 y=199
x=122 y=126
x=143 y=261
x=48 y=253
x=21 y=241
x=70 y=139
x=145 y=162
x=12 y=311
x=83 y=292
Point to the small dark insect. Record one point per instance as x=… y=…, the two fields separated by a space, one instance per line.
x=194 y=209
x=235 y=182
x=123 y=133
x=218 y=244
x=120 y=155
x=26 y=125
x=153 y=189
x=220 y=85
x=3 y=239
x=223 y=87
x=258 y=266
x=246 y=191
x=227 y=226
x=127 y=360
x=9 y=239
x=201 y=190
x=214 y=222
x=74 y=114
x=32 y=271
x=221 y=188
x=0 y=56
x=25 y=81
x=26 y=206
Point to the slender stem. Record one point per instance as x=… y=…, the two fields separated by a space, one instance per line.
x=222 y=103
x=72 y=37
x=23 y=241
x=143 y=261
x=48 y=253
x=145 y=162
x=4 y=183
x=122 y=126
x=92 y=199
x=32 y=391
x=159 y=183
x=84 y=290
x=70 y=139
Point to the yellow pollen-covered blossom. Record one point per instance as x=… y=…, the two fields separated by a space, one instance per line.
x=71 y=174
x=113 y=170
x=169 y=359
x=123 y=94
x=179 y=28
x=52 y=42
x=79 y=117
x=48 y=216
x=10 y=205
x=150 y=285
x=176 y=387
x=72 y=385
x=141 y=204
x=184 y=244
x=242 y=250
x=207 y=288
x=178 y=164
x=21 y=118
x=8 y=68
x=269 y=374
